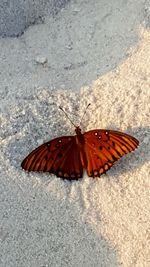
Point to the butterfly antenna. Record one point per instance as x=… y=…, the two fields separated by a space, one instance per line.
x=85 y=112
x=67 y=117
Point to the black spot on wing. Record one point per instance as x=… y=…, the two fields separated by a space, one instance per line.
x=46 y=157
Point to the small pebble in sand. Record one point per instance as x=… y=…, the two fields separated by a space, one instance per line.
x=41 y=60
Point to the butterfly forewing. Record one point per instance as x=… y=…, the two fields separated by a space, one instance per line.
x=104 y=147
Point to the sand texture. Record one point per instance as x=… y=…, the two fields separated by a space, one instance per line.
x=94 y=52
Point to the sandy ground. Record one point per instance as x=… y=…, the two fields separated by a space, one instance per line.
x=90 y=52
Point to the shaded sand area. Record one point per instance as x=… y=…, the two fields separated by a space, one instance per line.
x=44 y=220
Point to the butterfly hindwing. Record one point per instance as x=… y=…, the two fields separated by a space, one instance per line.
x=71 y=166
x=104 y=147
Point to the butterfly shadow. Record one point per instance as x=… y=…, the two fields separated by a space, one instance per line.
x=137 y=158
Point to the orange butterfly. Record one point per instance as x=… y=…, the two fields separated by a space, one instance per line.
x=66 y=156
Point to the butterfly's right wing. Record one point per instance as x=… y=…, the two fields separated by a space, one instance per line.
x=59 y=156
x=104 y=147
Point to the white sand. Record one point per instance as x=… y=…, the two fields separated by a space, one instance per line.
x=47 y=221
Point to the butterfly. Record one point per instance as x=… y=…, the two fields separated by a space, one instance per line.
x=67 y=156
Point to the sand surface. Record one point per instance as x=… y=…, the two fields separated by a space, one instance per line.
x=89 y=53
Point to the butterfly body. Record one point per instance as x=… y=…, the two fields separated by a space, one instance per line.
x=67 y=156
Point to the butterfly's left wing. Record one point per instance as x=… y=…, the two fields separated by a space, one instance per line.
x=103 y=147
x=59 y=156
